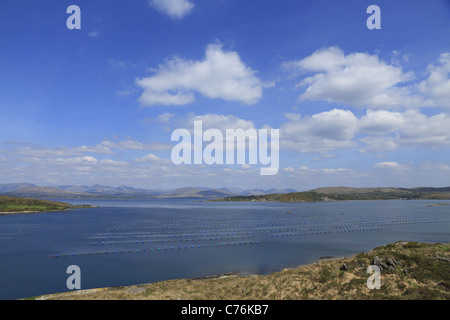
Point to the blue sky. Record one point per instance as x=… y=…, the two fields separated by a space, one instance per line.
x=354 y=106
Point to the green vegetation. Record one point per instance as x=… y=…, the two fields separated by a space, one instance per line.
x=343 y=193
x=14 y=205
x=421 y=272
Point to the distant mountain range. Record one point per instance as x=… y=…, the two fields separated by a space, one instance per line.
x=29 y=190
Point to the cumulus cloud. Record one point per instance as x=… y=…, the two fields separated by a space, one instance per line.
x=176 y=9
x=221 y=75
x=379 y=144
x=388 y=165
x=411 y=128
x=357 y=79
x=151 y=158
x=437 y=85
x=220 y=121
x=379 y=131
x=381 y=122
x=321 y=132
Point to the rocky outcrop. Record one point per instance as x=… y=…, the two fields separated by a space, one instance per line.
x=379 y=263
x=344 y=267
x=391 y=263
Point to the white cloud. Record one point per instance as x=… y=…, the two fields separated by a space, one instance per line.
x=321 y=132
x=410 y=128
x=94 y=34
x=165 y=117
x=356 y=79
x=437 y=85
x=106 y=147
x=379 y=144
x=135 y=145
x=219 y=121
x=319 y=174
x=47 y=152
x=124 y=145
x=379 y=131
x=152 y=158
x=381 y=122
x=388 y=165
x=221 y=75
x=75 y=161
x=176 y=9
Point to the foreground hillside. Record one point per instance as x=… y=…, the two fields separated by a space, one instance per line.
x=15 y=205
x=410 y=270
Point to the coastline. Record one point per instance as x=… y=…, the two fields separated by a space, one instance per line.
x=10 y=213
x=19 y=212
x=410 y=271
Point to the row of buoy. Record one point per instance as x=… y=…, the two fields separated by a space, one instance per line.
x=186 y=247
x=277 y=220
x=281 y=229
x=185 y=228
x=22 y=227
x=264 y=227
x=326 y=232
x=153 y=235
x=178 y=240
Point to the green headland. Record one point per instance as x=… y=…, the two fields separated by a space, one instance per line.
x=346 y=193
x=15 y=205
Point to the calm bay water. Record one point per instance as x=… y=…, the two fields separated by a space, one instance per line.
x=126 y=242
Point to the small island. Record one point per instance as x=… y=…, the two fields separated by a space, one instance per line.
x=15 y=205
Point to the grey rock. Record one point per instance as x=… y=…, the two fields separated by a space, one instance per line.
x=377 y=262
x=442 y=259
x=344 y=267
x=360 y=264
x=391 y=262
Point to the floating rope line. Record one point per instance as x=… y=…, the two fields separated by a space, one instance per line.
x=171 y=240
x=154 y=235
x=150 y=250
x=327 y=232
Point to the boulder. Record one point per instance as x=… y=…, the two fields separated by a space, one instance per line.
x=377 y=262
x=392 y=263
x=360 y=264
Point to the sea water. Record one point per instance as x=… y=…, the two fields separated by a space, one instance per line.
x=125 y=242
